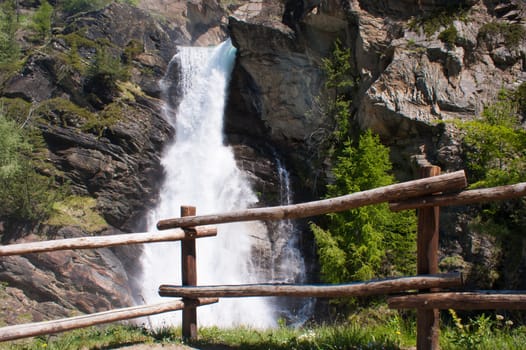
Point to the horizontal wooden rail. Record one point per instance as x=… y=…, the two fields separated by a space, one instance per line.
x=465 y=197
x=66 y=324
x=481 y=300
x=104 y=241
x=387 y=286
x=443 y=183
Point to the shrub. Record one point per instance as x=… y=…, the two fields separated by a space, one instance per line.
x=24 y=194
x=42 y=21
x=449 y=36
x=495 y=154
x=441 y=19
x=495 y=144
x=339 y=81
x=512 y=34
x=9 y=49
x=77 y=211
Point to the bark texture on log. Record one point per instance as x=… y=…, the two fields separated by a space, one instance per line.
x=66 y=324
x=93 y=242
x=465 y=197
x=482 y=300
x=410 y=189
x=388 y=286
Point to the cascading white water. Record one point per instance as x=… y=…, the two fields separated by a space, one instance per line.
x=291 y=265
x=201 y=171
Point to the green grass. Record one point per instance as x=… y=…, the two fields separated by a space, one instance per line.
x=373 y=328
x=344 y=336
x=87 y=338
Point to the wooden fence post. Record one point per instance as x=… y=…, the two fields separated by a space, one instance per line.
x=189 y=276
x=427 y=326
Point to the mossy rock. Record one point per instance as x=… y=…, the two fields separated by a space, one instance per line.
x=77 y=211
x=62 y=111
x=15 y=109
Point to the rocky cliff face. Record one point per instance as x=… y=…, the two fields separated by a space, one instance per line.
x=103 y=140
x=410 y=82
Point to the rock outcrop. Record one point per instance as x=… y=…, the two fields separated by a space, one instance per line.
x=104 y=141
x=412 y=83
x=278 y=80
x=38 y=287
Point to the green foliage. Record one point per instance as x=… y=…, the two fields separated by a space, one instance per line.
x=441 y=19
x=132 y=50
x=103 y=75
x=42 y=21
x=108 y=66
x=130 y=2
x=482 y=332
x=77 y=42
x=449 y=36
x=340 y=82
x=495 y=153
x=9 y=48
x=372 y=328
x=12 y=145
x=496 y=144
x=511 y=33
x=357 y=243
x=520 y=98
x=24 y=193
x=62 y=111
x=15 y=109
x=342 y=336
x=109 y=337
x=111 y=114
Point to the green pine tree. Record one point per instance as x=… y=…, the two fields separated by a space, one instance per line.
x=9 y=48
x=369 y=241
x=42 y=21
x=24 y=193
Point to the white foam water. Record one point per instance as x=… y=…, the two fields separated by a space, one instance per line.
x=201 y=171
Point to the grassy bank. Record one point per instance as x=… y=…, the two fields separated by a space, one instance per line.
x=376 y=328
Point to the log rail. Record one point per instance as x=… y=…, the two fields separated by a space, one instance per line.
x=378 y=287
x=429 y=288
x=66 y=324
x=476 y=300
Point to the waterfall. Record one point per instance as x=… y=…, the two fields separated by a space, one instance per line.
x=201 y=171
x=291 y=265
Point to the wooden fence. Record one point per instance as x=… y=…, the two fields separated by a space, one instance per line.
x=426 y=194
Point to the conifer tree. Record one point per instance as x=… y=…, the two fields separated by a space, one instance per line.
x=370 y=241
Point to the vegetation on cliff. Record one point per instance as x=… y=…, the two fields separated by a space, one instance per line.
x=25 y=194
x=88 y=88
x=370 y=241
x=495 y=154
